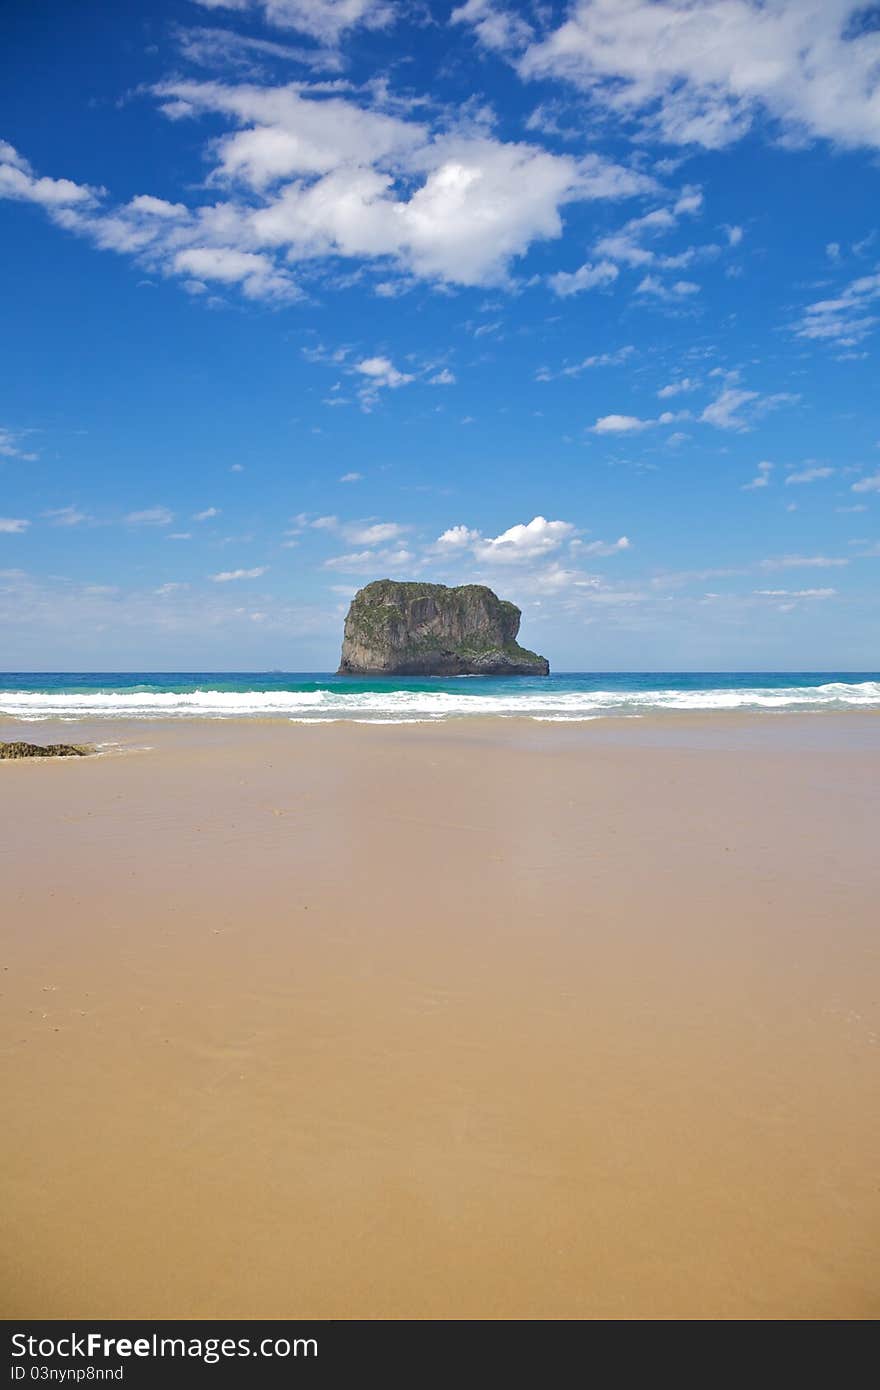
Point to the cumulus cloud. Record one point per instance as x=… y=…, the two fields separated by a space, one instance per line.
x=458 y=538
x=379 y=374
x=588 y=277
x=381 y=371
x=630 y=424
x=18 y=181
x=13 y=526
x=620 y=424
x=308 y=174
x=703 y=73
x=207 y=515
x=527 y=543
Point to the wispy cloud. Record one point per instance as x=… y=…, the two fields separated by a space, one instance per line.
x=67 y=516
x=871 y=484
x=227 y=576
x=10 y=440
x=792 y=562
x=761 y=478
x=812 y=474
x=150 y=516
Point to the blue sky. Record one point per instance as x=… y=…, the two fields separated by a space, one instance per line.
x=580 y=301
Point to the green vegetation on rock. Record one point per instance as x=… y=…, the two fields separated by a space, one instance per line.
x=418 y=629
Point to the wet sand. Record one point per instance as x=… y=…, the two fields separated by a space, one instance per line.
x=472 y=1020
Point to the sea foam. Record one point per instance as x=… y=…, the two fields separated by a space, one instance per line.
x=401 y=705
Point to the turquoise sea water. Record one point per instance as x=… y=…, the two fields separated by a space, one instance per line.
x=318 y=696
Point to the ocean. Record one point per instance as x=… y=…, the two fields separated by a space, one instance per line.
x=320 y=697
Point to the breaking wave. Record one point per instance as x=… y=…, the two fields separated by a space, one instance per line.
x=541 y=700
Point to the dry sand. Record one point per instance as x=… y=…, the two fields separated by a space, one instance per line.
x=477 y=1020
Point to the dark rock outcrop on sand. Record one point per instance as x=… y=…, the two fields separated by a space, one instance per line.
x=398 y=629
x=42 y=750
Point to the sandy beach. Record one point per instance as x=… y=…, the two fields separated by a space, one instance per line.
x=480 y=1019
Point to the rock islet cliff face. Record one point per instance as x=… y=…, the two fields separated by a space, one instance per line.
x=411 y=629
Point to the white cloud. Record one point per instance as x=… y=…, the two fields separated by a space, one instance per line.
x=722 y=412
x=351 y=478
x=67 y=516
x=216 y=48
x=796 y=593
x=786 y=562
x=620 y=424
x=372 y=561
x=602 y=547
x=627 y=245
x=150 y=516
x=871 y=484
x=207 y=515
x=18 y=181
x=525 y=541
x=677 y=388
x=376 y=533
x=379 y=374
x=565 y=283
x=382 y=372
x=457 y=538
x=496 y=28
x=325 y=20
x=226 y=576
x=12 y=526
x=10 y=446
x=702 y=73
x=310 y=175
x=442 y=378
x=761 y=478
x=615 y=358
x=846 y=319
x=809 y=475
x=679 y=289
x=256 y=274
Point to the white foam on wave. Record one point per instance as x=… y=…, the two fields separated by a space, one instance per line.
x=394 y=706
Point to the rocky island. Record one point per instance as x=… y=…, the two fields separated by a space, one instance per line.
x=411 y=629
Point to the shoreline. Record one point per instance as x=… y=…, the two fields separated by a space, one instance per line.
x=476 y=1021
